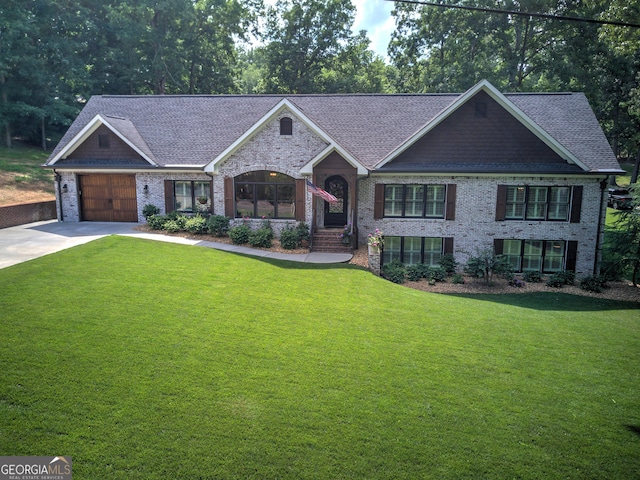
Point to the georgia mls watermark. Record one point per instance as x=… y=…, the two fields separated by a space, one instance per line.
x=35 y=468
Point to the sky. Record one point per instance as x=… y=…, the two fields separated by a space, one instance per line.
x=374 y=16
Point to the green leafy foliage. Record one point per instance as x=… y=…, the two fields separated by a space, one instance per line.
x=262 y=237
x=289 y=238
x=532 y=276
x=394 y=271
x=218 y=225
x=196 y=224
x=149 y=210
x=593 y=283
x=156 y=222
x=239 y=234
x=485 y=264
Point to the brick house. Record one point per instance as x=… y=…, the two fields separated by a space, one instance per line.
x=438 y=173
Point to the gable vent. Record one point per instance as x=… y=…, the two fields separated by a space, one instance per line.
x=481 y=109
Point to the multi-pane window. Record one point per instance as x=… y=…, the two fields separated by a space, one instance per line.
x=537 y=203
x=191 y=196
x=414 y=201
x=413 y=250
x=545 y=256
x=265 y=194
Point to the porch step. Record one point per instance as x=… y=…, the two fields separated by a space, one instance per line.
x=326 y=240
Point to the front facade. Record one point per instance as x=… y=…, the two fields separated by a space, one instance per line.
x=523 y=174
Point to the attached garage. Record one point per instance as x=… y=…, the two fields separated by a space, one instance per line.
x=108 y=198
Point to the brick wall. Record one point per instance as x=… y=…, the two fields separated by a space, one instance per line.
x=24 y=213
x=475 y=227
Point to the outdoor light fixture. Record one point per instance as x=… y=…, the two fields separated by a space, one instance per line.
x=64 y=188
x=146 y=189
x=272 y=174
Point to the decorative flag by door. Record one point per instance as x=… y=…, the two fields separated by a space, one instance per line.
x=318 y=192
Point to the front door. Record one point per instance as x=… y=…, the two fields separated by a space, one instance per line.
x=335 y=214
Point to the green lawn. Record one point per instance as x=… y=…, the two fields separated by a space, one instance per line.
x=150 y=360
x=27 y=163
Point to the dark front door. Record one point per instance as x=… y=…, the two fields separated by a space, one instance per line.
x=335 y=214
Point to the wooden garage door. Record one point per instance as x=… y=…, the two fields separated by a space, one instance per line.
x=108 y=198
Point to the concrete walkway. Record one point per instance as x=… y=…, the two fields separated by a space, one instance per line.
x=26 y=242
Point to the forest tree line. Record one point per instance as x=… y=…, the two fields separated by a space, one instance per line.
x=55 y=54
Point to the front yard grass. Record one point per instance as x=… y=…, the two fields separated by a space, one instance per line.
x=151 y=360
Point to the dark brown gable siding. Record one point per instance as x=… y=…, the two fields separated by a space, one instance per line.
x=378 y=208
x=300 y=196
x=229 y=195
x=90 y=148
x=466 y=137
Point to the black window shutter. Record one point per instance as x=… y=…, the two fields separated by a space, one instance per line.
x=169 y=205
x=448 y=245
x=498 y=246
x=378 y=205
x=450 y=211
x=576 y=204
x=300 y=196
x=501 y=203
x=229 y=209
x=572 y=253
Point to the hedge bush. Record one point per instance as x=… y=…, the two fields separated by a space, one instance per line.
x=261 y=237
x=218 y=225
x=289 y=238
x=196 y=224
x=239 y=235
x=394 y=272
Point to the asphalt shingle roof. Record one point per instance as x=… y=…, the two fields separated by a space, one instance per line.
x=193 y=130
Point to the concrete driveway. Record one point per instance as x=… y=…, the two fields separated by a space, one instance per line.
x=26 y=242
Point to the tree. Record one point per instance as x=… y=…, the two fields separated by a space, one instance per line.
x=622 y=250
x=304 y=38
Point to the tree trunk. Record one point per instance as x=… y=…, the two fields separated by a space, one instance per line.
x=7 y=127
x=43 y=135
x=636 y=167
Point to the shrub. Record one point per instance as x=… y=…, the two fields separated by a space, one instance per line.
x=394 y=271
x=197 y=224
x=436 y=274
x=261 y=237
x=457 y=278
x=593 y=283
x=289 y=238
x=556 y=280
x=149 y=210
x=156 y=222
x=240 y=234
x=448 y=263
x=303 y=232
x=567 y=277
x=532 y=276
x=172 y=226
x=417 y=271
x=218 y=225
x=485 y=264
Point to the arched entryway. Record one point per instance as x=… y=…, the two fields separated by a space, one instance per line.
x=335 y=214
